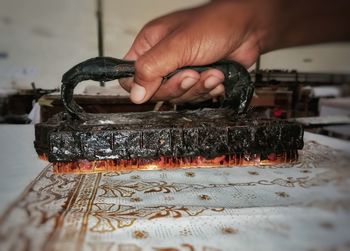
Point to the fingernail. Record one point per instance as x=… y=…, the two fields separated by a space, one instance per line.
x=188 y=82
x=217 y=91
x=137 y=93
x=211 y=82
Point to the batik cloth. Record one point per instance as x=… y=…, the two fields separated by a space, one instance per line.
x=305 y=206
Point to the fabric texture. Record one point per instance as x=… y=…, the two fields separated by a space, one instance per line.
x=305 y=206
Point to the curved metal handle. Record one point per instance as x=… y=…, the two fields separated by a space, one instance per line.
x=238 y=86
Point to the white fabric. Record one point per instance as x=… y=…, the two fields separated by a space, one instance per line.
x=34 y=114
x=326 y=91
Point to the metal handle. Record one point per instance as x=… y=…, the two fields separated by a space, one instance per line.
x=238 y=86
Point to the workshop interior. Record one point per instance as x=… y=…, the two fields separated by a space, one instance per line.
x=83 y=168
x=306 y=82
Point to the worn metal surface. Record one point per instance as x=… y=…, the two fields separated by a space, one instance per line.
x=205 y=133
x=150 y=135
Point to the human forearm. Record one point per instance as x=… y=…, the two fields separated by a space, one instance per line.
x=300 y=22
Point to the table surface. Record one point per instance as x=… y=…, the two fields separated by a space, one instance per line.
x=19 y=162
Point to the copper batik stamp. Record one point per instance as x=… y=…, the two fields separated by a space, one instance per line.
x=76 y=141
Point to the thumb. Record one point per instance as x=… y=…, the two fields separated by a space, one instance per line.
x=162 y=59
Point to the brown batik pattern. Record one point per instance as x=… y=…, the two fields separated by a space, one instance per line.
x=76 y=212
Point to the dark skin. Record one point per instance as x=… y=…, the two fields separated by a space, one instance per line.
x=239 y=30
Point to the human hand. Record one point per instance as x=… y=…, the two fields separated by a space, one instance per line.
x=196 y=36
x=237 y=30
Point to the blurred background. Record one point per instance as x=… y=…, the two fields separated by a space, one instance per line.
x=41 y=39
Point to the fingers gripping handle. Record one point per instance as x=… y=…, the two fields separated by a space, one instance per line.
x=238 y=86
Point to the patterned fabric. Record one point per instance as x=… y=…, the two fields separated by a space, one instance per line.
x=305 y=206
